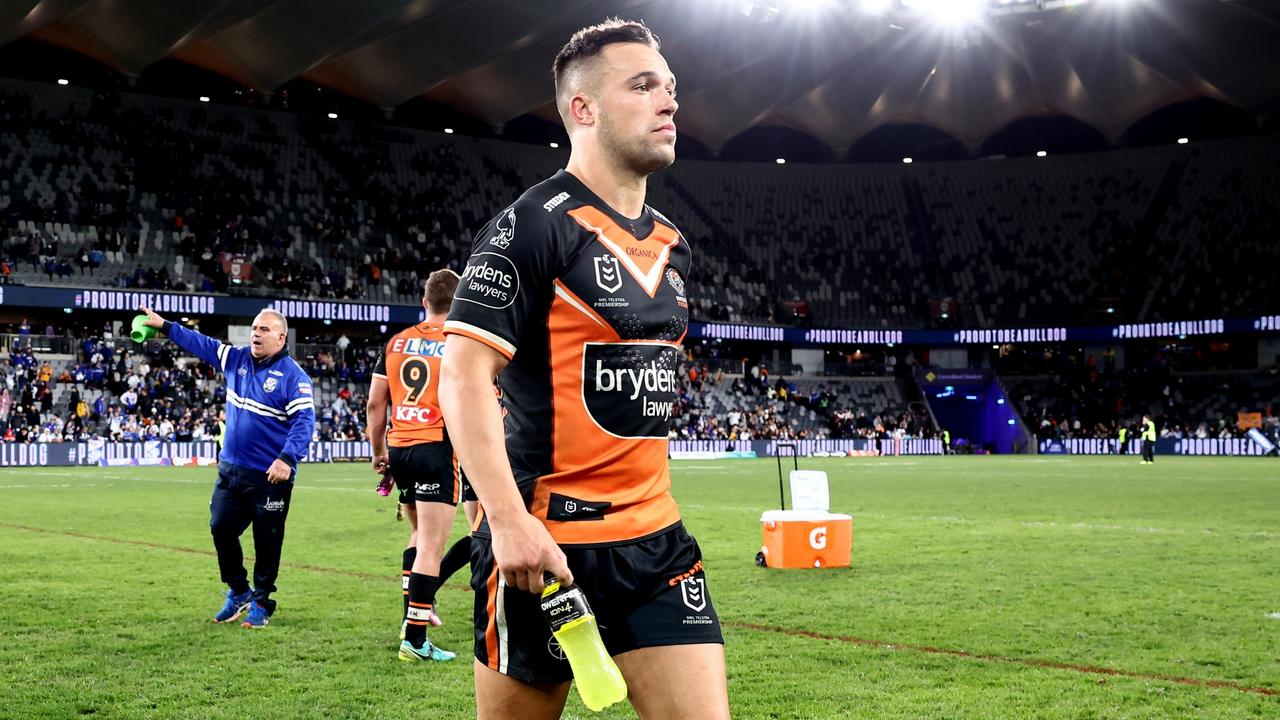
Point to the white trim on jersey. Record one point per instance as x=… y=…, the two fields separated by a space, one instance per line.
x=254 y=406
x=564 y=295
x=223 y=349
x=487 y=335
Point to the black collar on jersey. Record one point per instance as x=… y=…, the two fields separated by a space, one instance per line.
x=640 y=227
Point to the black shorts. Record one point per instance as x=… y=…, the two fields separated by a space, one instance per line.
x=428 y=472
x=647 y=593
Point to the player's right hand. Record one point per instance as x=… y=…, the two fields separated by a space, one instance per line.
x=153 y=319
x=381 y=461
x=524 y=550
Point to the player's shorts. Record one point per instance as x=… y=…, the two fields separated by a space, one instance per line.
x=428 y=472
x=645 y=593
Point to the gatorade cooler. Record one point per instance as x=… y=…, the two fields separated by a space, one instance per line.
x=807 y=536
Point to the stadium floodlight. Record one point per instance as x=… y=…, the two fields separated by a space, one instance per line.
x=809 y=5
x=781 y=161
x=875 y=7
x=555 y=145
x=1041 y=153
x=950 y=12
x=907 y=161
x=1183 y=141
x=333 y=116
x=1111 y=311
x=448 y=131
x=63 y=81
x=204 y=98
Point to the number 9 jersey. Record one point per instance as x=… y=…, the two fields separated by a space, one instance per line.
x=411 y=366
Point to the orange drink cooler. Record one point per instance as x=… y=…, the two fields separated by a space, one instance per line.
x=806 y=539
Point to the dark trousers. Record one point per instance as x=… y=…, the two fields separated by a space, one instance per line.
x=1148 y=450
x=241 y=498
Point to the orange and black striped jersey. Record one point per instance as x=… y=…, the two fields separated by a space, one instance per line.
x=410 y=364
x=590 y=309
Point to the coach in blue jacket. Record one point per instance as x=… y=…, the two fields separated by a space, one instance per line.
x=270 y=417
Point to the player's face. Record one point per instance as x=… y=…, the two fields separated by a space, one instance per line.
x=637 y=107
x=267 y=336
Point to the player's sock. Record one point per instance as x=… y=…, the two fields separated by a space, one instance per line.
x=457 y=556
x=422 y=601
x=406 y=567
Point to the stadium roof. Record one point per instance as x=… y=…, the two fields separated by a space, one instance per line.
x=830 y=69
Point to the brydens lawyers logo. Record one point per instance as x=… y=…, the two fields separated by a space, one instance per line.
x=608 y=273
x=693 y=591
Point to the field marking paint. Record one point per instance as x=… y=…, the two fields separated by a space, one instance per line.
x=1026 y=662
x=1274 y=615
x=188 y=551
x=791 y=632
x=175 y=481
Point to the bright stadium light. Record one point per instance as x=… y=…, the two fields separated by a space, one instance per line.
x=63 y=81
x=950 y=12
x=448 y=131
x=907 y=161
x=1183 y=141
x=204 y=98
x=781 y=161
x=1041 y=153
x=333 y=116
x=555 y=145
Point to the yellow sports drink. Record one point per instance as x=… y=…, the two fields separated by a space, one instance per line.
x=599 y=681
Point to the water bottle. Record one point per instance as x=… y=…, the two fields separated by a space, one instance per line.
x=599 y=681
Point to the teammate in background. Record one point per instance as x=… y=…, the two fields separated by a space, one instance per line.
x=406 y=380
x=946 y=441
x=1123 y=439
x=575 y=298
x=270 y=416
x=1148 y=440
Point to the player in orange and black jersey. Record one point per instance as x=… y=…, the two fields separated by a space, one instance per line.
x=575 y=298
x=405 y=386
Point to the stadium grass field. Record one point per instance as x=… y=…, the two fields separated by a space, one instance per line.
x=980 y=588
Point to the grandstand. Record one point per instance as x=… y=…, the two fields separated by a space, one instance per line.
x=133 y=191
x=349 y=210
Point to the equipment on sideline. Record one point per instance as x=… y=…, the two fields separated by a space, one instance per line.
x=807 y=535
x=600 y=683
x=141 y=333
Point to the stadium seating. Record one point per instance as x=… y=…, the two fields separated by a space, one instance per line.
x=142 y=191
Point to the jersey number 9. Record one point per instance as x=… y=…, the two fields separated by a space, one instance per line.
x=415 y=375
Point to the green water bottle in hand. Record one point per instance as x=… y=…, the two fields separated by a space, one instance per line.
x=600 y=683
x=141 y=331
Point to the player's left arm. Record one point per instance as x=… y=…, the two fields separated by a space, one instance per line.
x=301 y=412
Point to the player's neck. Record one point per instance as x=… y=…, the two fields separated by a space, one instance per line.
x=619 y=188
x=436 y=319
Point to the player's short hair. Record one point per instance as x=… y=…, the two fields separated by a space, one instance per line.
x=589 y=41
x=441 y=285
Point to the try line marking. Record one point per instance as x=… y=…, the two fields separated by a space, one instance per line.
x=792 y=632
